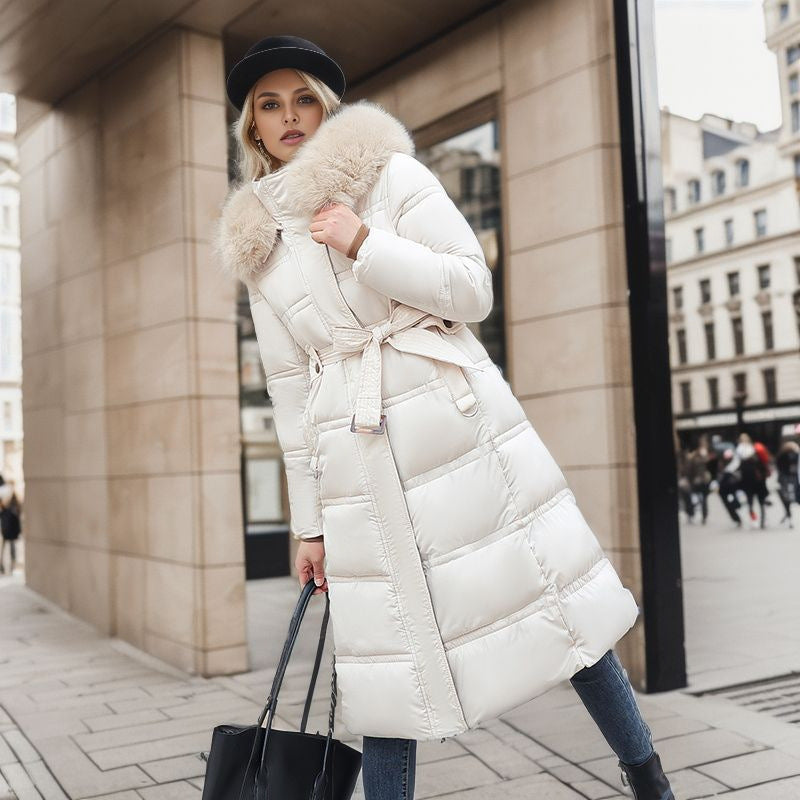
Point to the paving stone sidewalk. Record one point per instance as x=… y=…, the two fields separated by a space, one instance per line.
x=82 y=716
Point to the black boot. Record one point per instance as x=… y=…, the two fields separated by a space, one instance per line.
x=647 y=780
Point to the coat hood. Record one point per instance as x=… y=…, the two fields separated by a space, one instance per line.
x=340 y=164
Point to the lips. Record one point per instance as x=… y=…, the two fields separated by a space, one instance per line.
x=292 y=135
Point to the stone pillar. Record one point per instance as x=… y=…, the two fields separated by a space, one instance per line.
x=568 y=305
x=130 y=387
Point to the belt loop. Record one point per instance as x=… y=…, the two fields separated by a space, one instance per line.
x=459 y=388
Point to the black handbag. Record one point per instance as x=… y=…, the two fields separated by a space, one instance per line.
x=251 y=762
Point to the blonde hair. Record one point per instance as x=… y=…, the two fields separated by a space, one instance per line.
x=251 y=163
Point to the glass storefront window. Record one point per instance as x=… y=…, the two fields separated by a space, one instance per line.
x=264 y=490
x=263 y=507
x=468 y=166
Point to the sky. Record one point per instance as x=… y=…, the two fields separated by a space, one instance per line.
x=711 y=57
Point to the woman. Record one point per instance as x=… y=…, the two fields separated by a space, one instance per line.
x=463 y=579
x=754 y=477
x=730 y=480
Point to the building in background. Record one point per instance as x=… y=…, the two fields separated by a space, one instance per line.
x=782 y=27
x=732 y=228
x=10 y=323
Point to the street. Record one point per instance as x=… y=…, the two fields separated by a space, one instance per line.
x=741 y=596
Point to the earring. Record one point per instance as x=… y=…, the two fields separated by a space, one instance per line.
x=260 y=146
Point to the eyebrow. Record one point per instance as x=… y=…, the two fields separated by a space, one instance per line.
x=275 y=94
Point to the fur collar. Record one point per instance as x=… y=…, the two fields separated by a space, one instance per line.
x=340 y=163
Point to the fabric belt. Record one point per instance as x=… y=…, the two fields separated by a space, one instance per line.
x=408 y=330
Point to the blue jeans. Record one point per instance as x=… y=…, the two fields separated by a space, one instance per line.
x=387 y=765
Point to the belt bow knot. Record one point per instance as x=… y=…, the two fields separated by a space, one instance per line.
x=408 y=330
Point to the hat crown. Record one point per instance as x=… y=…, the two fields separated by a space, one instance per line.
x=277 y=52
x=271 y=42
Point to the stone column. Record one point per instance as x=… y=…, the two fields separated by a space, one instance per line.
x=568 y=306
x=130 y=388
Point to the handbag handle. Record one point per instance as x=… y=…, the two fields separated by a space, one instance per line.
x=317 y=660
x=272 y=700
x=271 y=703
x=294 y=629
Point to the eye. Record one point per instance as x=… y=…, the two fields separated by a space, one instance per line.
x=310 y=97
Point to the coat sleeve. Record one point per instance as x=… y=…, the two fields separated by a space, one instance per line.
x=434 y=261
x=286 y=367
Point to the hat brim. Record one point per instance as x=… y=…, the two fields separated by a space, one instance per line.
x=247 y=71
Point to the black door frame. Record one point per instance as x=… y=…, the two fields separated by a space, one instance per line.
x=640 y=144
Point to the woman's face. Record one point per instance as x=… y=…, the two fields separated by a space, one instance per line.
x=281 y=103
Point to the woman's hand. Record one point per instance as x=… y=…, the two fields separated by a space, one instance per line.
x=310 y=565
x=336 y=225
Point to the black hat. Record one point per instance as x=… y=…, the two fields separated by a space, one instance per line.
x=277 y=52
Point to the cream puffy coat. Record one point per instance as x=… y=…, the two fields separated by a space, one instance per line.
x=463 y=578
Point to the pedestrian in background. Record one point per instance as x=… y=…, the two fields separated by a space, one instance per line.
x=754 y=477
x=684 y=484
x=699 y=478
x=786 y=464
x=10 y=526
x=729 y=479
x=762 y=451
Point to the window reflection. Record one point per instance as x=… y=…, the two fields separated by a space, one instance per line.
x=468 y=166
x=263 y=504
